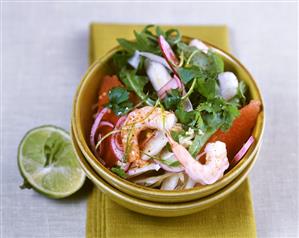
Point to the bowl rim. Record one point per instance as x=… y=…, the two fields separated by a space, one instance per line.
x=84 y=147
x=207 y=201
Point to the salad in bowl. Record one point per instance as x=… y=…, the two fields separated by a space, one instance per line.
x=172 y=117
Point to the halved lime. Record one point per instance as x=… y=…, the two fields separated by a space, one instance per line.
x=48 y=163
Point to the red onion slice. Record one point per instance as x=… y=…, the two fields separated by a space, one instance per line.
x=187 y=104
x=171 y=58
x=138 y=171
x=155 y=58
x=94 y=129
x=127 y=166
x=135 y=60
x=106 y=123
x=169 y=168
x=117 y=152
x=168 y=52
x=242 y=151
x=178 y=81
x=171 y=84
x=115 y=146
x=119 y=123
x=103 y=123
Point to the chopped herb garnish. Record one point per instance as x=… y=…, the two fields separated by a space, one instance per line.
x=119 y=101
x=147 y=41
x=172 y=99
x=119 y=171
x=240 y=98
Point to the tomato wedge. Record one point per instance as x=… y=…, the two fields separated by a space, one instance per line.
x=106 y=125
x=104 y=150
x=107 y=83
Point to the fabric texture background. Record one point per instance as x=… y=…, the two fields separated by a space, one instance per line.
x=45 y=55
x=233 y=217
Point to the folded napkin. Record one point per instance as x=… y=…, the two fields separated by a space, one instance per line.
x=233 y=217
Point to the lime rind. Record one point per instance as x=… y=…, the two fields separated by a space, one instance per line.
x=55 y=181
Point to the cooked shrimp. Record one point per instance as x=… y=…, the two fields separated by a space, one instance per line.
x=139 y=120
x=208 y=173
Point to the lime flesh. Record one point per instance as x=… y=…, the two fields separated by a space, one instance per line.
x=48 y=163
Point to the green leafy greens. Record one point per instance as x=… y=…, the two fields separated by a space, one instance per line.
x=147 y=41
x=207 y=118
x=198 y=72
x=211 y=62
x=136 y=84
x=120 y=59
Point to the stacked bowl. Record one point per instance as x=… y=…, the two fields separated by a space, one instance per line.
x=148 y=200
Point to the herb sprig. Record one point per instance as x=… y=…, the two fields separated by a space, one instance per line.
x=119 y=101
x=119 y=171
x=147 y=41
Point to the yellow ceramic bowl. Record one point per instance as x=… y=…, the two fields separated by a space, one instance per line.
x=82 y=119
x=158 y=208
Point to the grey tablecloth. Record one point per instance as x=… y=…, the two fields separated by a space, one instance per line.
x=44 y=53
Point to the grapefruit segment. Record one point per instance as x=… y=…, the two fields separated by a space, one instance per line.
x=240 y=130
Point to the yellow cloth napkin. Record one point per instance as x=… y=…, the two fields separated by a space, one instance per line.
x=233 y=217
